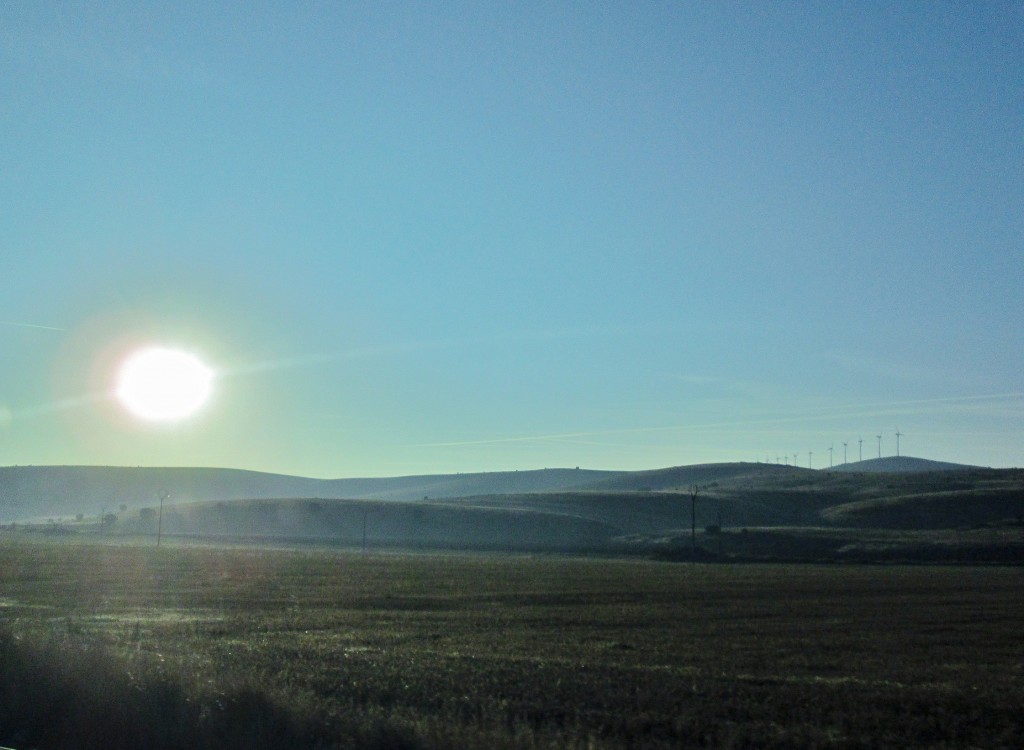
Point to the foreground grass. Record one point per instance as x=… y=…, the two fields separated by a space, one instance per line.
x=124 y=647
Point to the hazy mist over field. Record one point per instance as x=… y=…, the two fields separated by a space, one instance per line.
x=895 y=509
x=377 y=240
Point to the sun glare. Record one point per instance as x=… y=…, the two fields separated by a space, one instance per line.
x=162 y=384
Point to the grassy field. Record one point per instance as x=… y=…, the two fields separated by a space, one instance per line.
x=129 y=646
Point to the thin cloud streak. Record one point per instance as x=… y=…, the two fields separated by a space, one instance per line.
x=308 y=360
x=879 y=367
x=57 y=406
x=883 y=409
x=530 y=336
x=16 y=324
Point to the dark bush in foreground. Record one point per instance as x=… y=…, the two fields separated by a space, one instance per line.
x=60 y=693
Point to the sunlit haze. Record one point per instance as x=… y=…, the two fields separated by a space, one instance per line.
x=162 y=384
x=424 y=238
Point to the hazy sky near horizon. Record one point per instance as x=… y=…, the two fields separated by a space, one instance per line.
x=430 y=237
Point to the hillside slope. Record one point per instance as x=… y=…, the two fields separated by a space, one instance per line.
x=683 y=477
x=32 y=492
x=900 y=465
x=932 y=510
x=464 y=485
x=390 y=523
x=741 y=509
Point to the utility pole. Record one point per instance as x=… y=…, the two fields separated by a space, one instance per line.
x=365 y=513
x=164 y=494
x=719 y=529
x=693 y=521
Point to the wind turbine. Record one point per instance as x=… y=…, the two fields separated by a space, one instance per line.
x=879 y=445
x=860 y=449
x=830 y=455
x=809 y=455
x=844 y=453
x=898 y=433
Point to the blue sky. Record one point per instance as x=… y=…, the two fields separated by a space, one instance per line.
x=433 y=237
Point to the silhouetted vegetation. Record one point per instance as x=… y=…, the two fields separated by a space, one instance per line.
x=73 y=692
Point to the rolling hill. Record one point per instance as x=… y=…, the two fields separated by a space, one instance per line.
x=759 y=510
x=33 y=492
x=900 y=465
x=681 y=478
x=374 y=523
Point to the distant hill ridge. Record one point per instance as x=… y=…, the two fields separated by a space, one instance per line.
x=901 y=465
x=41 y=491
x=682 y=477
x=748 y=509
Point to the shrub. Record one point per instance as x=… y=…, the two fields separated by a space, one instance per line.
x=62 y=692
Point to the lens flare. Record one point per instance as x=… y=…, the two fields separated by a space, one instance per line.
x=162 y=384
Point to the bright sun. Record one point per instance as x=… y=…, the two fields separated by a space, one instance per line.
x=162 y=384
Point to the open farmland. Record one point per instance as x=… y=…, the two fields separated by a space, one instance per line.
x=128 y=646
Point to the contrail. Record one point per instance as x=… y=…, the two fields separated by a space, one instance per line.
x=834 y=412
x=307 y=360
x=29 y=325
x=56 y=406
